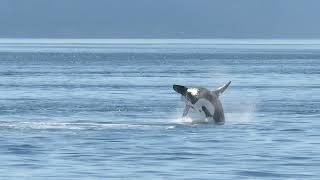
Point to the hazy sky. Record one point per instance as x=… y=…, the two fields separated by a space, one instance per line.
x=159 y=19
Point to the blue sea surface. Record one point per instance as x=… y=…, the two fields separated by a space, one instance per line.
x=105 y=109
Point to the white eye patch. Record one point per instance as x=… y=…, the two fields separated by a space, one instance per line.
x=193 y=91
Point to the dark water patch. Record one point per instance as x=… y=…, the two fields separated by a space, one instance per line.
x=298 y=157
x=293 y=130
x=303 y=165
x=262 y=174
x=286 y=140
x=23 y=149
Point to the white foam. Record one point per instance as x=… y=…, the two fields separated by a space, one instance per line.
x=190 y=121
x=73 y=126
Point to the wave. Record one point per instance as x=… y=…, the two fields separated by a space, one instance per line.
x=77 y=126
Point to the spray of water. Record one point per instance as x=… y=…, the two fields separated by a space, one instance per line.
x=243 y=113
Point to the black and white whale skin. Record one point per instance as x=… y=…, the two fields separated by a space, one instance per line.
x=203 y=101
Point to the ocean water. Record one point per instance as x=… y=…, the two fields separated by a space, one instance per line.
x=105 y=109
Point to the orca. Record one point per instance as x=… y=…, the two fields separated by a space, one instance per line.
x=204 y=101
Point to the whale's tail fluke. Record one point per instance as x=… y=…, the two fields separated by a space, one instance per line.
x=222 y=88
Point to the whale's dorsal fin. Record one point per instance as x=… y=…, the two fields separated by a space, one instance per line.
x=221 y=89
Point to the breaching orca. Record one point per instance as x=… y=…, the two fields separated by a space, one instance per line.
x=204 y=101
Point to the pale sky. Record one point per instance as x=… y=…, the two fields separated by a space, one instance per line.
x=159 y=19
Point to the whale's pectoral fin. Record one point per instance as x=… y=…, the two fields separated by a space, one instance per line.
x=222 y=88
x=185 y=111
x=206 y=112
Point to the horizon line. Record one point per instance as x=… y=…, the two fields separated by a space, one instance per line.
x=254 y=41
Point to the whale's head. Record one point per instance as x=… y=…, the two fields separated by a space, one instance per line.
x=188 y=94
x=180 y=89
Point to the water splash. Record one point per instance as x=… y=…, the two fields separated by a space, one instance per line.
x=243 y=113
x=191 y=121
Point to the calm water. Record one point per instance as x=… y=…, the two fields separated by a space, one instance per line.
x=106 y=109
